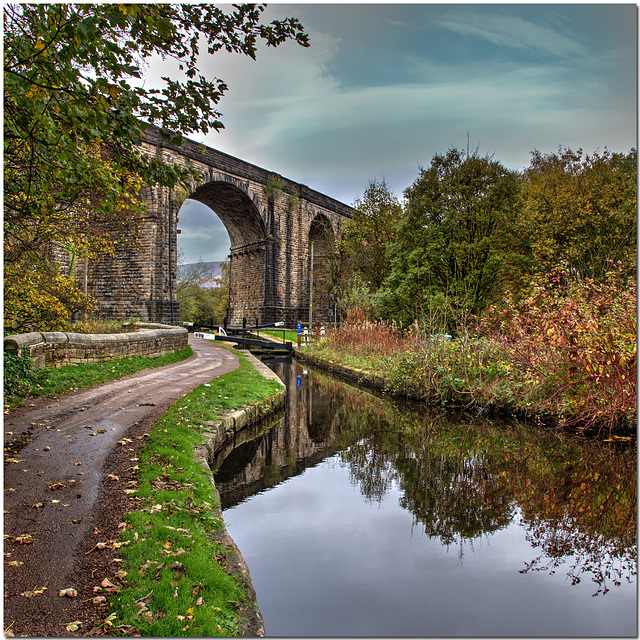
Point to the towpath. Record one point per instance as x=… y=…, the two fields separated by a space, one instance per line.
x=62 y=458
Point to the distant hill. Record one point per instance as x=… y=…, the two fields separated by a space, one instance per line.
x=214 y=268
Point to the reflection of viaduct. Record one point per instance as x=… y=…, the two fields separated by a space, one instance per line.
x=272 y=233
x=306 y=435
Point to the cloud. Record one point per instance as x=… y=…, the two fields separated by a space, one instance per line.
x=383 y=88
x=510 y=31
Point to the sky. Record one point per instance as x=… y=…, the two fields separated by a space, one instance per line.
x=385 y=87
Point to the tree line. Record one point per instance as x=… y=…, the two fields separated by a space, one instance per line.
x=470 y=233
x=200 y=304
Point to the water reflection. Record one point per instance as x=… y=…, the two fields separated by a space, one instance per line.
x=460 y=478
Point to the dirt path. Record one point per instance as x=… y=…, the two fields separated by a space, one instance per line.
x=58 y=497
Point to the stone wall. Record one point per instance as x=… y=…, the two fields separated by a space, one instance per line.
x=57 y=348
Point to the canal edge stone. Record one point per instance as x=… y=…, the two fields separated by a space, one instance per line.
x=217 y=432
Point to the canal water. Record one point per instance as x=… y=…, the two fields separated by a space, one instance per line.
x=359 y=516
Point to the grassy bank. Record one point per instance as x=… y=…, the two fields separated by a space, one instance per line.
x=20 y=382
x=568 y=360
x=171 y=579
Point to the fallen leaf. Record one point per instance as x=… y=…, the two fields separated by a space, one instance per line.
x=69 y=593
x=99 y=600
x=113 y=477
x=13 y=460
x=14 y=563
x=71 y=626
x=25 y=538
x=36 y=591
x=108 y=622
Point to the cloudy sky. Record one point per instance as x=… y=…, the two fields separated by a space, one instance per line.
x=384 y=87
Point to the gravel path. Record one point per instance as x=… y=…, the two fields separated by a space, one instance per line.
x=59 y=499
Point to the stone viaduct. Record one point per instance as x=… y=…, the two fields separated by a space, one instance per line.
x=280 y=242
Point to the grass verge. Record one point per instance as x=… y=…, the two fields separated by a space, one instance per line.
x=172 y=580
x=51 y=381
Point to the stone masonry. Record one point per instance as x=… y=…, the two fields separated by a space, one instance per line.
x=270 y=255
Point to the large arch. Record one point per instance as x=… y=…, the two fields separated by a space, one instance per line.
x=238 y=208
x=245 y=220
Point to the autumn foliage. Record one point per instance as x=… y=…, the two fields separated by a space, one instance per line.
x=575 y=342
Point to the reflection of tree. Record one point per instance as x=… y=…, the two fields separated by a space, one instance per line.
x=463 y=478
x=369 y=467
x=586 y=515
x=453 y=497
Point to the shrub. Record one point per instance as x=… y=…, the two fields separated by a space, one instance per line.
x=576 y=343
x=99 y=325
x=18 y=374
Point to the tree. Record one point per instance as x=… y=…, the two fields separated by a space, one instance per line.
x=199 y=303
x=362 y=262
x=581 y=211
x=197 y=273
x=453 y=238
x=366 y=237
x=75 y=110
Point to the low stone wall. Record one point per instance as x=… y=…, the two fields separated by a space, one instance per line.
x=57 y=348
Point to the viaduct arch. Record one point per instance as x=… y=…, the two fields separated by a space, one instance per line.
x=279 y=241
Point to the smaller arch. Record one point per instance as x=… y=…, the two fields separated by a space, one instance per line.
x=321 y=269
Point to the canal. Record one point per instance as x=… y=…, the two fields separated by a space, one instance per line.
x=359 y=516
